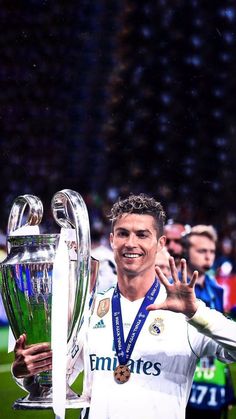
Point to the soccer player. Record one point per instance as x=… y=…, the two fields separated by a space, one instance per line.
x=174 y=233
x=163 y=261
x=145 y=334
x=211 y=391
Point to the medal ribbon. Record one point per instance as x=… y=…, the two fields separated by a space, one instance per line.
x=125 y=349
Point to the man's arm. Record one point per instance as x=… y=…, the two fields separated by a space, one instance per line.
x=181 y=298
x=219 y=328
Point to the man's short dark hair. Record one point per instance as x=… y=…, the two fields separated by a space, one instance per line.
x=139 y=204
x=186 y=240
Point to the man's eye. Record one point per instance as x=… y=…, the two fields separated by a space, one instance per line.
x=142 y=235
x=122 y=234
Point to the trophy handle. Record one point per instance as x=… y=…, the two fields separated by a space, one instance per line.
x=69 y=211
x=35 y=212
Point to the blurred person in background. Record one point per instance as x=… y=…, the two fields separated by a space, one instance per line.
x=3 y=250
x=163 y=261
x=3 y=254
x=174 y=233
x=225 y=263
x=200 y=249
x=101 y=251
x=212 y=390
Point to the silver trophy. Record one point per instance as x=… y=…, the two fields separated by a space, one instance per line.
x=26 y=281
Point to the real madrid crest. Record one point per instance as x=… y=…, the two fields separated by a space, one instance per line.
x=103 y=307
x=157 y=326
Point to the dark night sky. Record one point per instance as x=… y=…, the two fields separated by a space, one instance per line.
x=114 y=97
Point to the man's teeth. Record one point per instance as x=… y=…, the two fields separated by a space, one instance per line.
x=131 y=255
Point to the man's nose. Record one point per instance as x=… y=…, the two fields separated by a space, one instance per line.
x=131 y=240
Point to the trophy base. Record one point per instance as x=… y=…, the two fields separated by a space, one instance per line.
x=45 y=402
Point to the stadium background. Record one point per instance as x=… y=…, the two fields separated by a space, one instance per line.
x=113 y=97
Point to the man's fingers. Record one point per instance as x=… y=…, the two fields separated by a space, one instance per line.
x=173 y=269
x=39 y=366
x=37 y=348
x=48 y=367
x=38 y=361
x=161 y=276
x=152 y=307
x=183 y=271
x=29 y=364
x=20 y=342
x=161 y=306
x=31 y=369
x=193 y=279
x=43 y=357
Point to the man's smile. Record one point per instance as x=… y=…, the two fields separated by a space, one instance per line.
x=132 y=255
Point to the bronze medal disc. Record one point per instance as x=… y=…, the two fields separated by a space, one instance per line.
x=122 y=374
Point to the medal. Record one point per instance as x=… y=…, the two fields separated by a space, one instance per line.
x=124 y=348
x=122 y=374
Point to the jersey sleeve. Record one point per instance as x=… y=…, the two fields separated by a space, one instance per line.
x=218 y=333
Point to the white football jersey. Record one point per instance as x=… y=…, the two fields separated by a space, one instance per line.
x=162 y=364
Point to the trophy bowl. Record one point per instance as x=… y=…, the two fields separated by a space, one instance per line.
x=26 y=281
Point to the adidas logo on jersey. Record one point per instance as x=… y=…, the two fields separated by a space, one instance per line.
x=99 y=325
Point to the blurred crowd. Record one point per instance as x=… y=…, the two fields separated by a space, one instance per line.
x=220 y=267
x=176 y=229
x=211 y=252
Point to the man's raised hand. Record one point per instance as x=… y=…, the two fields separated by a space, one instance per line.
x=181 y=296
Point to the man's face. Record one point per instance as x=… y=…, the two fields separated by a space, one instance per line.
x=201 y=253
x=173 y=240
x=135 y=244
x=162 y=260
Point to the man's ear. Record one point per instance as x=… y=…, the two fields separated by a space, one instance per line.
x=111 y=240
x=161 y=242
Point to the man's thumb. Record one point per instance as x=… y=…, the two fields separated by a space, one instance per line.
x=20 y=342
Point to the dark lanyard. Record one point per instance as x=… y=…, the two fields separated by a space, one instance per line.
x=125 y=349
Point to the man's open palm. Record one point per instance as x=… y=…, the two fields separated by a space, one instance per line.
x=181 y=296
